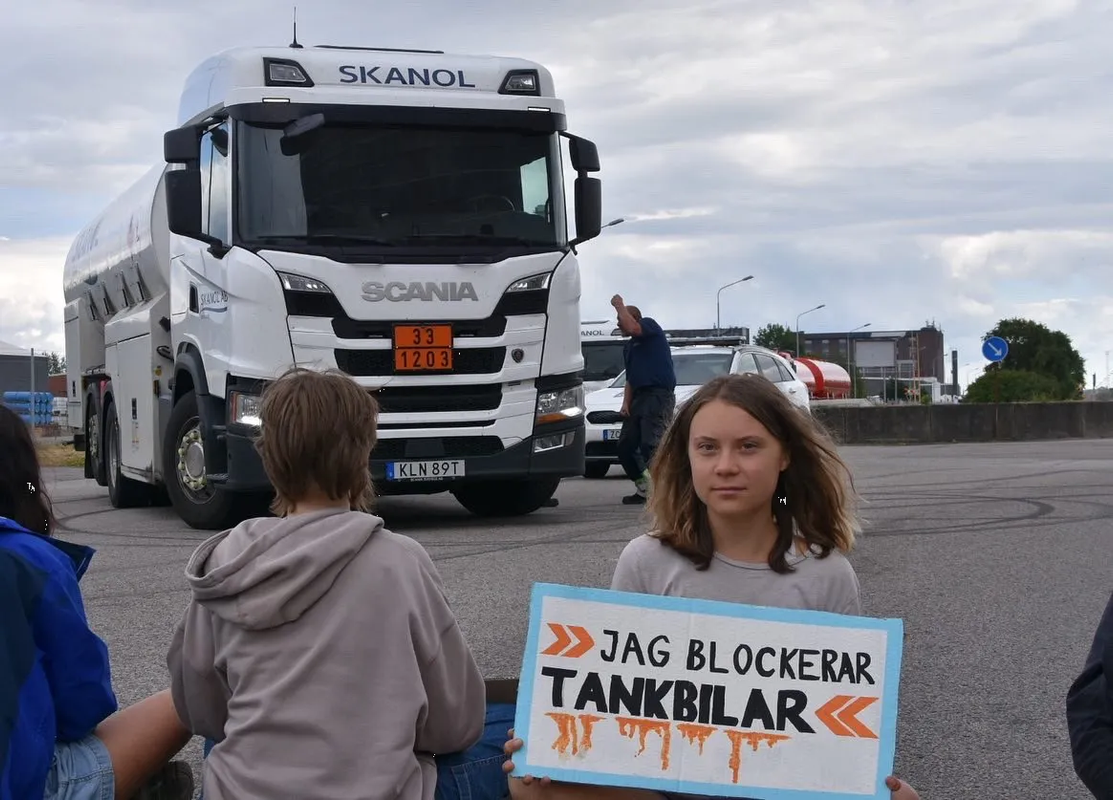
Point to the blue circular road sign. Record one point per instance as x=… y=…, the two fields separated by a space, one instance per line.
x=995 y=349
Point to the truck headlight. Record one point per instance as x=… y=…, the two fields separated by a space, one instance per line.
x=300 y=283
x=245 y=409
x=560 y=405
x=534 y=283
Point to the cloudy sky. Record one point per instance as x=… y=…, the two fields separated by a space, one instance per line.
x=901 y=162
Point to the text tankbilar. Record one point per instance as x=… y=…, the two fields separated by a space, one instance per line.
x=706 y=703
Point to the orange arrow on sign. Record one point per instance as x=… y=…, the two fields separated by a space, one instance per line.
x=562 y=640
x=564 y=637
x=840 y=715
x=585 y=645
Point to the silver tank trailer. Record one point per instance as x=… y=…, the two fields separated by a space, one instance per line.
x=127 y=243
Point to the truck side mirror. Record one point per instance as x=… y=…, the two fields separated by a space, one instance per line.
x=183 y=201
x=183 y=208
x=588 y=191
x=181 y=145
x=583 y=154
x=589 y=209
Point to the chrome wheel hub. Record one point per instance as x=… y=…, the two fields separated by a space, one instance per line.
x=191 y=460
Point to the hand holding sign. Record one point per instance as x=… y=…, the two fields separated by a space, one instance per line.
x=706 y=698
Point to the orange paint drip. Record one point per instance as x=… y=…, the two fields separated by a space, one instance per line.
x=628 y=726
x=696 y=733
x=566 y=733
x=738 y=738
x=588 y=722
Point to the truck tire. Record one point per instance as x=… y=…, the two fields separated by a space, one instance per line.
x=123 y=492
x=508 y=498
x=596 y=470
x=200 y=505
x=94 y=452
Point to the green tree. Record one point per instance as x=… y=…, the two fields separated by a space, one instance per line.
x=1012 y=386
x=56 y=363
x=1035 y=348
x=776 y=337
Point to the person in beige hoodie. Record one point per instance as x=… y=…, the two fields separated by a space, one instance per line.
x=319 y=650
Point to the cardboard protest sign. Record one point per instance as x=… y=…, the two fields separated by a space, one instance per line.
x=711 y=698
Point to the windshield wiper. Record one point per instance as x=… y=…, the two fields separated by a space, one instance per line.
x=329 y=238
x=477 y=238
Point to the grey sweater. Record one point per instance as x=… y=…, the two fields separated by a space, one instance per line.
x=647 y=566
x=321 y=654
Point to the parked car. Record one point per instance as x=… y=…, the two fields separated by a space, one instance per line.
x=695 y=365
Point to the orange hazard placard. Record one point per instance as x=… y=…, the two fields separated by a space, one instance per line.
x=423 y=348
x=706 y=698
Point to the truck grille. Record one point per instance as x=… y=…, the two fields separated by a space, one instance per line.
x=437 y=447
x=369 y=363
x=434 y=399
x=312 y=304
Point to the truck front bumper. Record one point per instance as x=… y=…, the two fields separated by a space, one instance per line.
x=554 y=451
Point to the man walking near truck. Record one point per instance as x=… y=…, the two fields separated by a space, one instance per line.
x=649 y=400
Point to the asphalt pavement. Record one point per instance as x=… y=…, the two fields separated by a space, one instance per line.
x=998 y=557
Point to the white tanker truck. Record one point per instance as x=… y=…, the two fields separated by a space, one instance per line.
x=399 y=215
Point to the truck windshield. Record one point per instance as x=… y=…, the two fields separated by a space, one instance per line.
x=400 y=186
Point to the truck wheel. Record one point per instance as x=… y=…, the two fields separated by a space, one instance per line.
x=596 y=469
x=506 y=498
x=94 y=459
x=200 y=504
x=123 y=492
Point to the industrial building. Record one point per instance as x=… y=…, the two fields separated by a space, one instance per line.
x=15 y=370
x=886 y=362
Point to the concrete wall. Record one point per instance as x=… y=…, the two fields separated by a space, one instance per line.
x=973 y=422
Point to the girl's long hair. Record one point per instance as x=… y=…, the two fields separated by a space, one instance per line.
x=816 y=484
x=23 y=497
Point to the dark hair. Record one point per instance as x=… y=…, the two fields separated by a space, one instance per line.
x=817 y=483
x=23 y=497
x=318 y=430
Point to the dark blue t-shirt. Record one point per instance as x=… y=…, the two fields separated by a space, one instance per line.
x=649 y=358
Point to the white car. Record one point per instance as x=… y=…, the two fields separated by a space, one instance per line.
x=694 y=366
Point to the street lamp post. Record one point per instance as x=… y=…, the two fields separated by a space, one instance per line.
x=850 y=359
x=719 y=294
x=574 y=243
x=802 y=313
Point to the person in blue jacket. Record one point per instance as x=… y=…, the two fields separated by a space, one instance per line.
x=61 y=735
x=1090 y=712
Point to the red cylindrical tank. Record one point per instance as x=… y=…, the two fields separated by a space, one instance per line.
x=825 y=380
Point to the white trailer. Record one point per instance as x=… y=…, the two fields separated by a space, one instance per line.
x=398 y=215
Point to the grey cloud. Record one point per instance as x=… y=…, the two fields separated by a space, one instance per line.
x=31 y=322
x=912 y=123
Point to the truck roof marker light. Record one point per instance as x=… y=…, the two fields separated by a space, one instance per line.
x=284 y=72
x=276 y=99
x=521 y=81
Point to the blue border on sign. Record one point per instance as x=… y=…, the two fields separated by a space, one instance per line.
x=888 y=734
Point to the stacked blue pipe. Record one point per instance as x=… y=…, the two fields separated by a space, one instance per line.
x=34 y=409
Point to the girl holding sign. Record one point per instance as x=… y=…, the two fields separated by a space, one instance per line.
x=752 y=504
